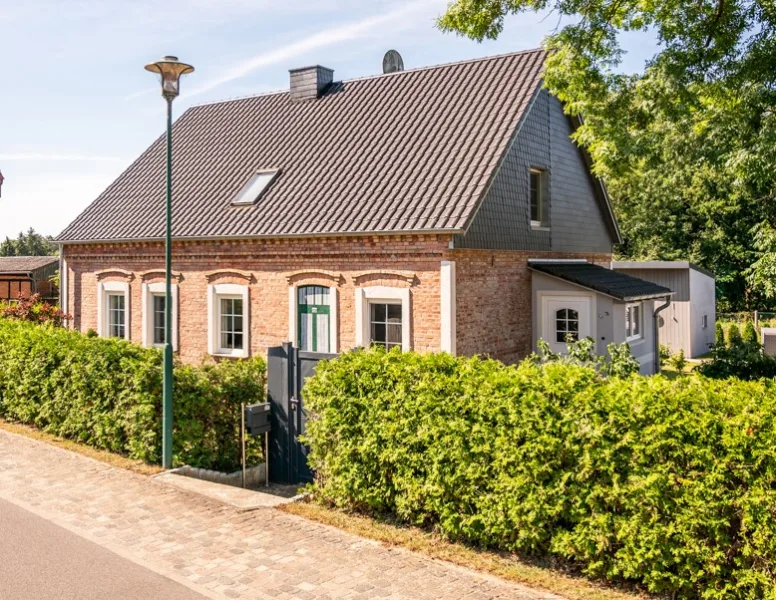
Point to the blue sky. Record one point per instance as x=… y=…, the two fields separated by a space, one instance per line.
x=77 y=107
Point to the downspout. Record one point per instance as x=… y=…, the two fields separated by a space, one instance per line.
x=656 y=323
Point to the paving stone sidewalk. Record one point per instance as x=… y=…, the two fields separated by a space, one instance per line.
x=219 y=550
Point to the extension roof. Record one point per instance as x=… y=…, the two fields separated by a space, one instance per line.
x=616 y=284
x=407 y=152
x=14 y=265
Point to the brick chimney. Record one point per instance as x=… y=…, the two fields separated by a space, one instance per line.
x=308 y=83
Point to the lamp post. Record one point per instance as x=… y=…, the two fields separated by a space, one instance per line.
x=169 y=71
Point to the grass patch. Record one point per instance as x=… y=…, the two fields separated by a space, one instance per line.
x=506 y=566
x=114 y=460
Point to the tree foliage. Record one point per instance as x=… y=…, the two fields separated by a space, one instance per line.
x=686 y=147
x=28 y=244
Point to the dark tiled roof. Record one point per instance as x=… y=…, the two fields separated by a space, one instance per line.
x=409 y=151
x=612 y=283
x=25 y=264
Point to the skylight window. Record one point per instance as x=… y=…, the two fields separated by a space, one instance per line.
x=256 y=186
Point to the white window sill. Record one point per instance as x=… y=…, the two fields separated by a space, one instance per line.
x=635 y=340
x=537 y=226
x=228 y=354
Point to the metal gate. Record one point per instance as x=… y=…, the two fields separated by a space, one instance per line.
x=287 y=370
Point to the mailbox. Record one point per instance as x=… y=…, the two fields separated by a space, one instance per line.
x=257 y=419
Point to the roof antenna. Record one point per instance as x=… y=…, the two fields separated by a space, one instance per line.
x=392 y=62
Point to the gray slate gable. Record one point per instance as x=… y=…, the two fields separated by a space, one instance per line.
x=580 y=216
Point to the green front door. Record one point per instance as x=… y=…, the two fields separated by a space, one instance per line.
x=313 y=319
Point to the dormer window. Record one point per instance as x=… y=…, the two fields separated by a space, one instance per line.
x=255 y=188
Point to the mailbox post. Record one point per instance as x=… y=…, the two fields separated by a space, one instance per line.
x=255 y=420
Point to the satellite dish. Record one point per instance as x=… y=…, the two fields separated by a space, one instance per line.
x=392 y=62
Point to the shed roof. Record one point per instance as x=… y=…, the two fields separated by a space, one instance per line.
x=405 y=152
x=660 y=264
x=14 y=265
x=616 y=284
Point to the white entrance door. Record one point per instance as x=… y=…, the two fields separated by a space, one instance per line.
x=563 y=317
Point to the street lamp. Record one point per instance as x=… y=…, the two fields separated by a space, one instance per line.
x=169 y=71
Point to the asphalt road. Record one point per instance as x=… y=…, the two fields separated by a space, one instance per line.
x=42 y=561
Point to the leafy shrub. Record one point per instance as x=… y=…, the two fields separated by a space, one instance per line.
x=750 y=334
x=733 y=335
x=678 y=361
x=107 y=393
x=619 y=361
x=665 y=353
x=743 y=361
x=719 y=335
x=33 y=310
x=669 y=483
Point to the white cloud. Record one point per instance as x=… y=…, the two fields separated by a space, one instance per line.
x=37 y=156
x=322 y=39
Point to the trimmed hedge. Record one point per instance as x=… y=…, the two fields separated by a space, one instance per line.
x=668 y=483
x=107 y=393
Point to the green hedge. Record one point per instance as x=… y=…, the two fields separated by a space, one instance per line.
x=107 y=393
x=667 y=483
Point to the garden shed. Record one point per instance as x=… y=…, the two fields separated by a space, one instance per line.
x=27 y=275
x=688 y=324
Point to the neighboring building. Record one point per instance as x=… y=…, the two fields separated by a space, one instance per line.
x=769 y=340
x=27 y=275
x=400 y=209
x=688 y=324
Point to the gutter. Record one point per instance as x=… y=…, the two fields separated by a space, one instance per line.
x=656 y=324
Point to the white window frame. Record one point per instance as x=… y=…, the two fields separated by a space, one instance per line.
x=293 y=316
x=104 y=290
x=542 y=173
x=149 y=291
x=390 y=295
x=215 y=293
x=640 y=335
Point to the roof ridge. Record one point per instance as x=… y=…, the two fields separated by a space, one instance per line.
x=378 y=75
x=444 y=65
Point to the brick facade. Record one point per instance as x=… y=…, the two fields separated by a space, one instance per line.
x=494 y=308
x=493 y=288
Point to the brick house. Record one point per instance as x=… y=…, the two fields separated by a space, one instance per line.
x=27 y=275
x=401 y=209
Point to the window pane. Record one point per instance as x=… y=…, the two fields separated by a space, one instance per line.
x=378 y=332
x=306 y=333
x=237 y=323
x=394 y=313
x=636 y=320
x=561 y=314
x=322 y=333
x=237 y=307
x=238 y=341
x=378 y=312
x=394 y=334
x=536 y=213
x=560 y=337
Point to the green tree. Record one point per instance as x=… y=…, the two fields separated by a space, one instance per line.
x=28 y=244
x=719 y=335
x=734 y=336
x=750 y=334
x=686 y=147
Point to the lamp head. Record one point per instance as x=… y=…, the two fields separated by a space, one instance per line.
x=170 y=70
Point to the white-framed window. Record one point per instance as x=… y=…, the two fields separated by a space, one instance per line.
x=113 y=309
x=538 y=197
x=312 y=318
x=634 y=325
x=383 y=317
x=153 y=314
x=228 y=320
x=566 y=325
